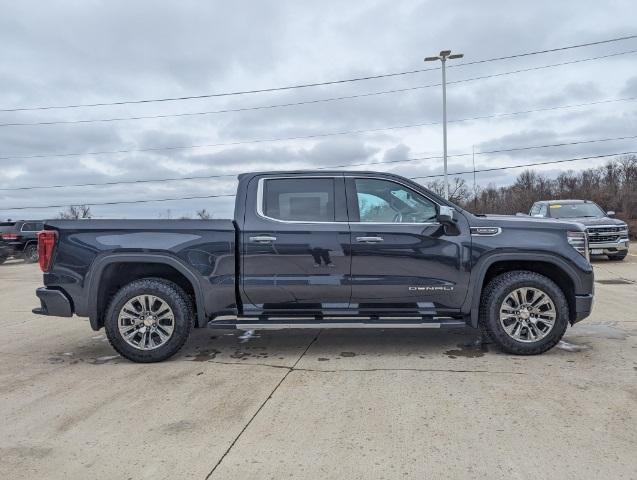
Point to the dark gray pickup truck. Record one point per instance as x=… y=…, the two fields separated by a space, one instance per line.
x=319 y=250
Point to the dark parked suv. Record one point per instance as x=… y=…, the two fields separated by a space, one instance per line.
x=606 y=235
x=19 y=240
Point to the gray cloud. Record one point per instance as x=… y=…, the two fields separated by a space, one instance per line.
x=68 y=52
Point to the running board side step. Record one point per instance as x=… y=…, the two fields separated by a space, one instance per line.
x=280 y=324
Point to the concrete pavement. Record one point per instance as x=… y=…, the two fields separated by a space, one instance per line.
x=309 y=404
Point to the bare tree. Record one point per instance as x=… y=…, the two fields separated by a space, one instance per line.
x=613 y=186
x=75 y=212
x=204 y=214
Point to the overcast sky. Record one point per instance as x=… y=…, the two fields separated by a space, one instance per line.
x=88 y=51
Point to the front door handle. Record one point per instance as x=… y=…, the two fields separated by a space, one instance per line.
x=369 y=239
x=263 y=239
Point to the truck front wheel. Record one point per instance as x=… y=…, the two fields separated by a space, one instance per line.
x=149 y=320
x=523 y=312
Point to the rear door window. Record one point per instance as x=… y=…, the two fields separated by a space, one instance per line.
x=32 y=226
x=299 y=199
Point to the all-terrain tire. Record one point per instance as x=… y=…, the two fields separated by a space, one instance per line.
x=495 y=293
x=168 y=292
x=30 y=254
x=2 y=260
x=618 y=256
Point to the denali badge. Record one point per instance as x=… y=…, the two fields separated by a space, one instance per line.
x=432 y=289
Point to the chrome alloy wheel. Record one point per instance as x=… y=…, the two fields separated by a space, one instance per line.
x=527 y=314
x=146 y=322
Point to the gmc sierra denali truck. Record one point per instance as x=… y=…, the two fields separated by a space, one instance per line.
x=319 y=250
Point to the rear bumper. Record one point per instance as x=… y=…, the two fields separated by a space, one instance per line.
x=53 y=302
x=583 y=307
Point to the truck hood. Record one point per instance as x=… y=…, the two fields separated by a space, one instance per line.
x=525 y=221
x=590 y=222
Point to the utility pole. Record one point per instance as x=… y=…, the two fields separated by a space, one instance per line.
x=444 y=55
x=475 y=191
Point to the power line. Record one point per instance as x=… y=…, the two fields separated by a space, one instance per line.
x=153 y=149
x=37 y=207
x=381 y=162
x=529 y=164
x=313 y=84
x=488 y=152
x=305 y=102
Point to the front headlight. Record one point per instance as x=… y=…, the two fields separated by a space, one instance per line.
x=579 y=242
x=623 y=231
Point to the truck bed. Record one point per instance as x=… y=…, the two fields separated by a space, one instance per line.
x=92 y=251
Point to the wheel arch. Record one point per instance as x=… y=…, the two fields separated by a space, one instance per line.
x=107 y=276
x=555 y=268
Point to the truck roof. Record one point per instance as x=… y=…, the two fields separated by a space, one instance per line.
x=550 y=202
x=314 y=172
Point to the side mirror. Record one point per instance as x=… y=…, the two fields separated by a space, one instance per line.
x=610 y=213
x=445 y=215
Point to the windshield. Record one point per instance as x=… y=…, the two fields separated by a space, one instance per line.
x=575 y=210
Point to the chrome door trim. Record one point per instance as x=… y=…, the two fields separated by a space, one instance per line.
x=260 y=200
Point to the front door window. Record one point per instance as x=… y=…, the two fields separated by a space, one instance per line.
x=384 y=201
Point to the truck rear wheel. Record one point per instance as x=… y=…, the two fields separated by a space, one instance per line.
x=149 y=320
x=31 y=254
x=523 y=312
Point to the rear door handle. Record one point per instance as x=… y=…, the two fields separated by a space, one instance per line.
x=369 y=239
x=263 y=239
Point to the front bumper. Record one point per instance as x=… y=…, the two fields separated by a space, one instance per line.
x=53 y=302
x=609 y=247
x=583 y=307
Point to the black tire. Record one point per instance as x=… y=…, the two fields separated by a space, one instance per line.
x=168 y=292
x=618 y=256
x=30 y=254
x=2 y=260
x=495 y=293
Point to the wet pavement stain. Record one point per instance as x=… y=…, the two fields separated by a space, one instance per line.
x=240 y=355
x=347 y=354
x=571 y=347
x=599 y=331
x=471 y=350
x=204 y=355
x=105 y=359
x=323 y=359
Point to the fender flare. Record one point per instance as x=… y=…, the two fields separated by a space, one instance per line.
x=97 y=269
x=478 y=272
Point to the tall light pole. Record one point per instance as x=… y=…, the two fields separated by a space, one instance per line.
x=444 y=55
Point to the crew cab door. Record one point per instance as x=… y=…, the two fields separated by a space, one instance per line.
x=295 y=244
x=402 y=257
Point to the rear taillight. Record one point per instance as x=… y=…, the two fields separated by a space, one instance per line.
x=46 y=246
x=10 y=236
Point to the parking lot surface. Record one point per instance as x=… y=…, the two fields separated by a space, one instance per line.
x=341 y=404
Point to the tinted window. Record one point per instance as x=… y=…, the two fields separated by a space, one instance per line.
x=299 y=199
x=542 y=210
x=383 y=201
x=575 y=210
x=7 y=227
x=32 y=227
